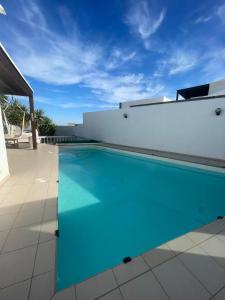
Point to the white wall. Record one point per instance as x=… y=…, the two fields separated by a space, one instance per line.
x=80 y=131
x=4 y=170
x=217 y=87
x=185 y=127
x=65 y=130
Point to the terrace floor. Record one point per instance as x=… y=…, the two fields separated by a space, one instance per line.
x=189 y=267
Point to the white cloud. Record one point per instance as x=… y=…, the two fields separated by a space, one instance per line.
x=221 y=13
x=75 y=105
x=120 y=88
x=44 y=100
x=182 y=61
x=108 y=106
x=143 y=20
x=67 y=59
x=118 y=58
x=48 y=56
x=214 y=64
x=176 y=62
x=203 y=19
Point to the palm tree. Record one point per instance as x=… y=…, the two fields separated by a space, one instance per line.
x=39 y=117
x=3 y=100
x=15 y=111
x=43 y=123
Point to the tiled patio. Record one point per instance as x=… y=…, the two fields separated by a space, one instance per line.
x=28 y=203
x=189 y=267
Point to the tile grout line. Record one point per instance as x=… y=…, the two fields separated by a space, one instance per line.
x=26 y=279
x=35 y=257
x=162 y=287
x=211 y=234
x=189 y=271
x=117 y=283
x=11 y=228
x=56 y=180
x=215 y=260
x=152 y=269
x=223 y=288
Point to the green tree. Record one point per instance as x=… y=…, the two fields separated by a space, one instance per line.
x=43 y=123
x=47 y=127
x=3 y=100
x=15 y=112
x=39 y=117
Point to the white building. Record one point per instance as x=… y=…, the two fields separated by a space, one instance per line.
x=193 y=126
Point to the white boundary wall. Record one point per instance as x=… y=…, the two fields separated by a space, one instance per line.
x=65 y=130
x=4 y=170
x=190 y=127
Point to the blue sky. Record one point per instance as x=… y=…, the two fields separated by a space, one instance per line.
x=89 y=55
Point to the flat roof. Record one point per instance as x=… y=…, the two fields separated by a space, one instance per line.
x=12 y=82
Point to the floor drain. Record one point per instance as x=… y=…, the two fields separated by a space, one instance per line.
x=127 y=259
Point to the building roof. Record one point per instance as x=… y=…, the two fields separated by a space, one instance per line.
x=195 y=91
x=12 y=81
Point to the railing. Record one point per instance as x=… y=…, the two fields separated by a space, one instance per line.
x=56 y=139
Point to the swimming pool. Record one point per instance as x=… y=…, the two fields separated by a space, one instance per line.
x=113 y=204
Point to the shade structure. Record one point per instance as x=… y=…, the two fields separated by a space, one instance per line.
x=12 y=82
x=195 y=91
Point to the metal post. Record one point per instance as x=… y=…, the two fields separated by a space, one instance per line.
x=34 y=137
x=177 y=96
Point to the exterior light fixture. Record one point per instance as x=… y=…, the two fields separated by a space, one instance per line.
x=125 y=116
x=218 y=111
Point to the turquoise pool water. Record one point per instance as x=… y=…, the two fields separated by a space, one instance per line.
x=112 y=205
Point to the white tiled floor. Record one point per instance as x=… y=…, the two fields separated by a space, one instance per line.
x=178 y=282
x=27 y=242
x=189 y=267
x=143 y=287
x=125 y=272
x=96 y=286
x=158 y=255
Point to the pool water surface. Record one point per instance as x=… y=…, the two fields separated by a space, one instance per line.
x=112 y=205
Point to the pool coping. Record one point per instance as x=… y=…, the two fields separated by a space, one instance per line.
x=33 y=186
x=209 y=161
x=211 y=230
x=146 y=155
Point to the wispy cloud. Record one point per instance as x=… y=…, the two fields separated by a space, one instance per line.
x=48 y=56
x=119 y=58
x=203 y=19
x=67 y=59
x=75 y=105
x=218 y=11
x=221 y=13
x=120 y=88
x=144 y=21
x=62 y=103
x=177 y=61
x=214 y=64
x=44 y=100
x=182 y=61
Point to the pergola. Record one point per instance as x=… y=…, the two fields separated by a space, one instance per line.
x=12 y=82
x=193 y=92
